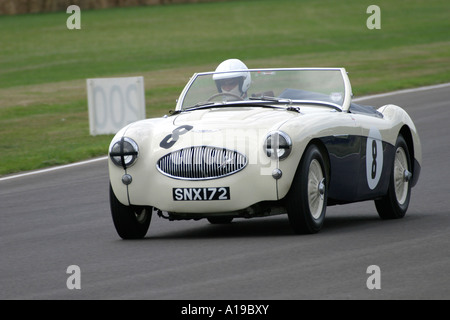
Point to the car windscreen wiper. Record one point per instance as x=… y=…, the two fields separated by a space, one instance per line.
x=292 y=108
x=272 y=99
x=278 y=100
x=201 y=105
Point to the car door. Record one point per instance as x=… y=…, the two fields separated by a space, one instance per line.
x=375 y=163
x=344 y=146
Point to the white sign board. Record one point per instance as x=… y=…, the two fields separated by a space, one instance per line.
x=114 y=102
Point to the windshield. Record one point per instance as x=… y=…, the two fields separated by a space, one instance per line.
x=270 y=86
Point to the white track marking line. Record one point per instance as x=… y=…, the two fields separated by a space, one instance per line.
x=53 y=169
x=393 y=93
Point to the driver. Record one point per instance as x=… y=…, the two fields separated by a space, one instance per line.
x=234 y=83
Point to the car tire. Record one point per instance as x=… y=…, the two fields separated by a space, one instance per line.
x=220 y=220
x=130 y=222
x=395 y=203
x=307 y=198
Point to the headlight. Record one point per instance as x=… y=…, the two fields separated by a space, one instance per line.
x=278 y=145
x=124 y=152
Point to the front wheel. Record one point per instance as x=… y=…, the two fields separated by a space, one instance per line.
x=307 y=199
x=130 y=222
x=395 y=204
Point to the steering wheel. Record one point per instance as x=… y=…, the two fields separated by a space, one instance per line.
x=224 y=94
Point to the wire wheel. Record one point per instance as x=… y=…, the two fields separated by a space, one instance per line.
x=306 y=201
x=315 y=189
x=395 y=203
x=130 y=222
x=400 y=170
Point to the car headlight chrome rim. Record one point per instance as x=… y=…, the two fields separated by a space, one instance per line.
x=124 y=152
x=278 y=145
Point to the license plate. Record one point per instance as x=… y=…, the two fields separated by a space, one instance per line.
x=201 y=194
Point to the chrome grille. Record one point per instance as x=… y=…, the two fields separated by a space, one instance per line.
x=201 y=163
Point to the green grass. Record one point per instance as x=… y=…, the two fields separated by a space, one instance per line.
x=44 y=66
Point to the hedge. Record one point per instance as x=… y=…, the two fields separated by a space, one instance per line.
x=12 y=7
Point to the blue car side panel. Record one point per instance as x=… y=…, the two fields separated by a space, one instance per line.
x=348 y=168
x=345 y=157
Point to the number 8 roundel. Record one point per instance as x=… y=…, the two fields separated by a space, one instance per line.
x=172 y=138
x=374 y=158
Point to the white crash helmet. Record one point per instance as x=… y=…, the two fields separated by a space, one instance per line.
x=245 y=78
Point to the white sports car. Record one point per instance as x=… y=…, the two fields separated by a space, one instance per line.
x=244 y=143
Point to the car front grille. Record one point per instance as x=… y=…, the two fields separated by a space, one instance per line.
x=201 y=163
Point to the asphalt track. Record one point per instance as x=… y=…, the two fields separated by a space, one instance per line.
x=55 y=219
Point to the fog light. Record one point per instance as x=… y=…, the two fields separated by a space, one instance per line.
x=277 y=173
x=127 y=179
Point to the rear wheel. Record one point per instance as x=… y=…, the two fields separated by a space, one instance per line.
x=395 y=203
x=131 y=222
x=307 y=199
